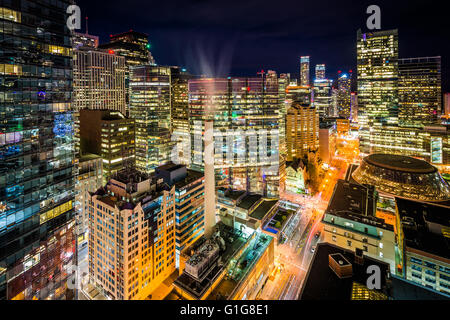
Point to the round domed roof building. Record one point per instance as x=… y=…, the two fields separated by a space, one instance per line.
x=402 y=176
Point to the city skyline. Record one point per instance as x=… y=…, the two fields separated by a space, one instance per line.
x=182 y=157
x=238 y=36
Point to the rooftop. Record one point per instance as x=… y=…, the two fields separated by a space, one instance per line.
x=322 y=283
x=234 y=241
x=355 y=202
x=249 y=200
x=425 y=226
x=237 y=266
x=263 y=209
x=400 y=163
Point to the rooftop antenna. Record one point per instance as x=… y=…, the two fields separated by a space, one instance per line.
x=87 y=25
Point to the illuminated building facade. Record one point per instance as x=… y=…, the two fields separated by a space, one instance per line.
x=295 y=177
x=419 y=91
x=37 y=216
x=302 y=130
x=402 y=176
x=300 y=94
x=327 y=142
x=377 y=62
x=98 y=80
x=423 y=232
x=446 y=108
x=344 y=96
x=89 y=179
x=180 y=113
x=323 y=97
x=205 y=279
x=431 y=143
x=350 y=222
x=320 y=72
x=304 y=71
x=84 y=40
x=354 y=106
x=132 y=45
x=150 y=106
x=135 y=48
x=109 y=134
x=246 y=130
x=189 y=204
x=131 y=235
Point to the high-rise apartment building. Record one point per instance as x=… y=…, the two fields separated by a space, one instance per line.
x=320 y=72
x=246 y=129
x=98 y=80
x=377 y=62
x=302 y=130
x=344 y=96
x=109 y=134
x=150 y=107
x=304 y=71
x=419 y=91
x=132 y=235
x=189 y=204
x=37 y=216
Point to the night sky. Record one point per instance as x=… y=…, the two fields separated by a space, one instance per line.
x=240 y=38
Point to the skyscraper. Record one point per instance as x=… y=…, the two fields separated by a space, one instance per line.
x=377 y=60
x=304 y=71
x=189 y=204
x=179 y=103
x=150 y=107
x=344 y=96
x=420 y=100
x=446 y=108
x=98 y=80
x=302 y=130
x=109 y=134
x=37 y=243
x=320 y=72
x=135 y=48
x=130 y=263
x=246 y=129
x=323 y=97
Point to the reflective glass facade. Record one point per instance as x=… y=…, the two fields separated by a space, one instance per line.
x=402 y=176
x=151 y=109
x=377 y=63
x=36 y=151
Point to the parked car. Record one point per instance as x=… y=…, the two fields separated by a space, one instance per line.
x=313 y=248
x=317 y=235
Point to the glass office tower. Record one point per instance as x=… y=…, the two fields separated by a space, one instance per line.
x=377 y=62
x=246 y=114
x=304 y=71
x=344 y=96
x=150 y=107
x=420 y=100
x=320 y=71
x=37 y=243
